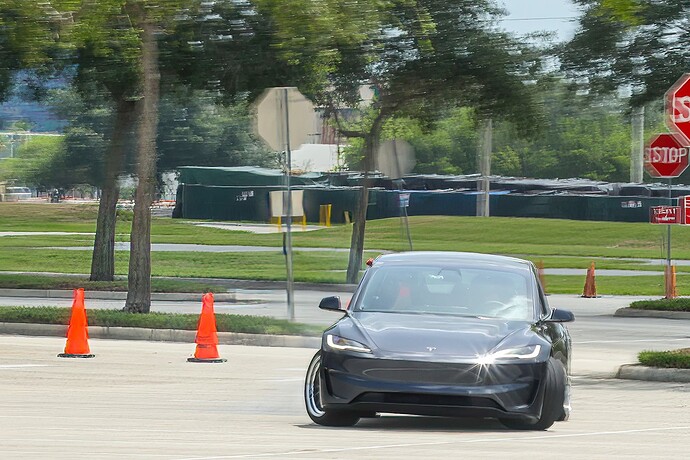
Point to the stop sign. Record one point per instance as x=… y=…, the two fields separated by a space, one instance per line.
x=273 y=109
x=678 y=108
x=665 y=157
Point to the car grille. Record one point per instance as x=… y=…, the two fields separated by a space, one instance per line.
x=468 y=375
x=426 y=400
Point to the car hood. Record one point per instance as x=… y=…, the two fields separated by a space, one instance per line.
x=458 y=336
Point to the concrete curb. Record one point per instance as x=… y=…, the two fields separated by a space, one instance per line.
x=653 y=374
x=637 y=313
x=163 y=335
x=114 y=295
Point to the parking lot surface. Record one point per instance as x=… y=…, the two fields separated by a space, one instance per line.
x=143 y=400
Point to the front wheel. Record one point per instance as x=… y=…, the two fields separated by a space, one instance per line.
x=312 y=399
x=554 y=397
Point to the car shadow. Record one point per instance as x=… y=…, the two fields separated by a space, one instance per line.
x=418 y=423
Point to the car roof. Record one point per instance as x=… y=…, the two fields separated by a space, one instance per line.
x=453 y=258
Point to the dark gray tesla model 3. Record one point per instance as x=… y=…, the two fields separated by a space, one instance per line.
x=444 y=334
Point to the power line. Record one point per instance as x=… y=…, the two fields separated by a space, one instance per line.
x=553 y=18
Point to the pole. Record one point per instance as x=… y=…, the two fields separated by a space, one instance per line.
x=668 y=233
x=288 y=214
x=405 y=223
x=485 y=139
x=637 y=150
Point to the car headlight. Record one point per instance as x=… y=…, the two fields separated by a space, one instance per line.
x=342 y=344
x=514 y=353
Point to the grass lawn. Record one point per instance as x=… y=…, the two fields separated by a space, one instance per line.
x=309 y=266
x=558 y=243
x=615 y=285
x=533 y=237
x=74 y=282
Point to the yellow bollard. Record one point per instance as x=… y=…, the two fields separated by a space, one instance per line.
x=325 y=215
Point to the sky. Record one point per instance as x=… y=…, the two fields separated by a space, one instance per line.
x=527 y=16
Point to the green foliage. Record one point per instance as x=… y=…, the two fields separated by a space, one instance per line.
x=578 y=140
x=624 y=10
x=629 y=45
x=196 y=129
x=675 y=359
x=25 y=40
x=451 y=147
x=155 y=320
x=679 y=304
x=40 y=162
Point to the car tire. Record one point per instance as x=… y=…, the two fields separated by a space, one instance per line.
x=567 y=401
x=554 y=396
x=312 y=399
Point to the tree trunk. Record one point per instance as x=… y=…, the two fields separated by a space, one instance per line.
x=139 y=288
x=371 y=142
x=103 y=258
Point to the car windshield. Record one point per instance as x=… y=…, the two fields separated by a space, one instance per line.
x=469 y=291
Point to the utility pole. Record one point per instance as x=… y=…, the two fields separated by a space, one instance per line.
x=637 y=150
x=484 y=154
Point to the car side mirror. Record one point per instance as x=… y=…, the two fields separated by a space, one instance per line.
x=331 y=303
x=561 y=316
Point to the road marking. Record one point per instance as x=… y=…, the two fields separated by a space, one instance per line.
x=91 y=455
x=438 y=443
x=19 y=366
x=632 y=341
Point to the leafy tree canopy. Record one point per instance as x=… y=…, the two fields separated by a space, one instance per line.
x=629 y=45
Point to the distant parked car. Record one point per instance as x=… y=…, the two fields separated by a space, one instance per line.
x=17 y=193
x=444 y=334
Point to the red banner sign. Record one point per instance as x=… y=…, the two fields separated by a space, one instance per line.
x=665 y=215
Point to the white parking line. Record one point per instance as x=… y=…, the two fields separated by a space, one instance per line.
x=20 y=366
x=90 y=455
x=632 y=341
x=439 y=443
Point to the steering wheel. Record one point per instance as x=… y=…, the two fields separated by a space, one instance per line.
x=498 y=306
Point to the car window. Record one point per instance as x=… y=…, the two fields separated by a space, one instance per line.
x=472 y=291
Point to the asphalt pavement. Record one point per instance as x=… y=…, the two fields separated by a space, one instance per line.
x=142 y=400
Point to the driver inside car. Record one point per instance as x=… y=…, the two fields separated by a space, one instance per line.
x=498 y=296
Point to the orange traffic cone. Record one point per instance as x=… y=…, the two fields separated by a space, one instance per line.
x=670 y=278
x=207 y=335
x=77 y=334
x=590 y=289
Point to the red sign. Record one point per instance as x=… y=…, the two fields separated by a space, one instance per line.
x=678 y=108
x=665 y=157
x=665 y=215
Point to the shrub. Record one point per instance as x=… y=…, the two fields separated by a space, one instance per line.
x=680 y=304
x=679 y=359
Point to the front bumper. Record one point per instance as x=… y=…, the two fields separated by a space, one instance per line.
x=369 y=384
